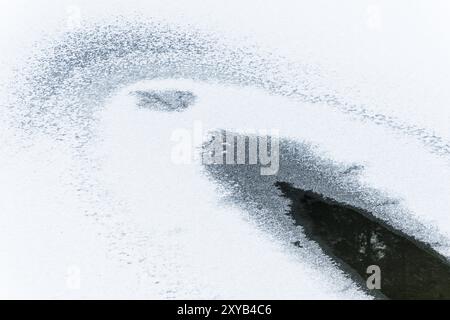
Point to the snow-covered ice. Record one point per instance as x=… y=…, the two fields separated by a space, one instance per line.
x=93 y=205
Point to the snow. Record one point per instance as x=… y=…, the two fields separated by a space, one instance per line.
x=116 y=218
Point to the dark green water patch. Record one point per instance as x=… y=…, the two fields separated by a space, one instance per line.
x=408 y=268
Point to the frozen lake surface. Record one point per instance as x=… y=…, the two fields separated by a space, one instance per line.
x=95 y=99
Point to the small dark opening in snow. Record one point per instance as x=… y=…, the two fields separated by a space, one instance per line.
x=164 y=100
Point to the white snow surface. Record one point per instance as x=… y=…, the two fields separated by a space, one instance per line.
x=119 y=219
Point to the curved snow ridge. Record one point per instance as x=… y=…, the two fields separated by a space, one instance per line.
x=125 y=52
